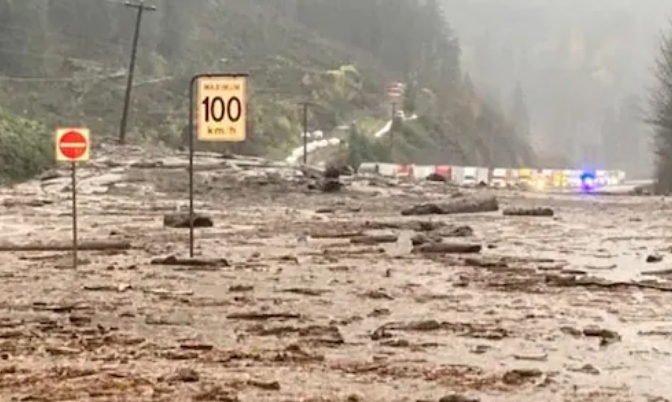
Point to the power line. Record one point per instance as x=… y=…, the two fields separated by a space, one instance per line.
x=74 y=38
x=46 y=57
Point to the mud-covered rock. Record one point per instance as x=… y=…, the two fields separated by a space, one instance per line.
x=180 y=220
x=435 y=177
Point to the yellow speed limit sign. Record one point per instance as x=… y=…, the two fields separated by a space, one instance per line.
x=220 y=108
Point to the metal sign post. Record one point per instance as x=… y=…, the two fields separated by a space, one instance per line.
x=74 y=214
x=221 y=116
x=73 y=145
x=394 y=92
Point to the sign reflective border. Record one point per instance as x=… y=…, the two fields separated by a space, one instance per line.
x=221 y=112
x=73 y=144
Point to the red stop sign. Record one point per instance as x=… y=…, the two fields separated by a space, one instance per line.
x=73 y=145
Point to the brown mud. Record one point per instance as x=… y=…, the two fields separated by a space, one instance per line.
x=281 y=304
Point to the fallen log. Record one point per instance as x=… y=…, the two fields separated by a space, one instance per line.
x=180 y=220
x=447 y=248
x=528 y=212
x=588 y=282
x=418 y=226
x=374 y=239
x=190 y=262
x=336 y=234
x=93 y=245
x=461 y=205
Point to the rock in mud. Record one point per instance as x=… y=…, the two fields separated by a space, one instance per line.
x=181 y=221
x=528 y=212
x=454 y=231
x=447 y=248
x=460 y=205
x=458 y=398
x=186 y=375
x=654 y=258
x=435 y=177
x=421 y=238
x=330 y=186
x=521 y=376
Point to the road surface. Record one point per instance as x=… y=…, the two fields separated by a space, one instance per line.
x=320 y=145
x=552 y=309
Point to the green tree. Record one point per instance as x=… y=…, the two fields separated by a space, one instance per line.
x=661 y=116
x=410 y=94
x=355 y=147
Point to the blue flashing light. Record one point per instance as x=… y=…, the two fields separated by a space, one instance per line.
x=588 y=181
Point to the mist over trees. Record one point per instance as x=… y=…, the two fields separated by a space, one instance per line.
x=66 y=61
x=661 y=116
x=585 y=67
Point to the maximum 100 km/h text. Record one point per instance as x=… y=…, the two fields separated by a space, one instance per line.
x=217 y=109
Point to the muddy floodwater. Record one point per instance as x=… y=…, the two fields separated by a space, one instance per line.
x=300 y=295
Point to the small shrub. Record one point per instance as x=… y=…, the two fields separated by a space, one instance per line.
x=26 y=148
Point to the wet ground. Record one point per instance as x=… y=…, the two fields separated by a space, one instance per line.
x=562 y=308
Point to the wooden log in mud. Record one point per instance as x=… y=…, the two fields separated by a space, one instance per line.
x=374 y=239
x=94 y=245
x=447 y=248
x=336 y=234
x=190 y=262
x=460 y=205
x=528 y=212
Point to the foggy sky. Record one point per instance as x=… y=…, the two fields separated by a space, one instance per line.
x=582 y=63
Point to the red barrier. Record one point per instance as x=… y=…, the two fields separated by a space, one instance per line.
x=443 y=170
x=404 y=171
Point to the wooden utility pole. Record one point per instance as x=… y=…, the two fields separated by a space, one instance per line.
x=305 y=105
x=392 y=129
x=141 y=7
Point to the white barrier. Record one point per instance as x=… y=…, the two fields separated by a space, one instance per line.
x=541 y=179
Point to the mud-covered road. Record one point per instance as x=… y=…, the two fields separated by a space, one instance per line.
x=562 y=308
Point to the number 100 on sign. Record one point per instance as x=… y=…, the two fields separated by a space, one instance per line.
x=221 y=108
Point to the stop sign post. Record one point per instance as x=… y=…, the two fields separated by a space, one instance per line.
x=73 y=145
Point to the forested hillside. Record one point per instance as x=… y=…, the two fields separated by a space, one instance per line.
x=64 y=62
x=585 y=68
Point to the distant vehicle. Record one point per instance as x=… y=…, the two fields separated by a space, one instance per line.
x=399 y=114
x=588 y=181
x=499 y=178
x=525 y=177
x=469 y=176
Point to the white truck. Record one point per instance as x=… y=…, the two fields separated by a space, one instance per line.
x=499 y=178
x=470 y=176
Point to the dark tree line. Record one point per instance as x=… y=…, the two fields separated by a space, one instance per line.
x=406 y=40
x=661 y=116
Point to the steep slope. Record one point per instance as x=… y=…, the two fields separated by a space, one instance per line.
x=65 y=62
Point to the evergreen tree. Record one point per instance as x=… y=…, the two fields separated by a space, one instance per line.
x=355 y=145
x=519 y=113
x=410 y=94
x=661 y=116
